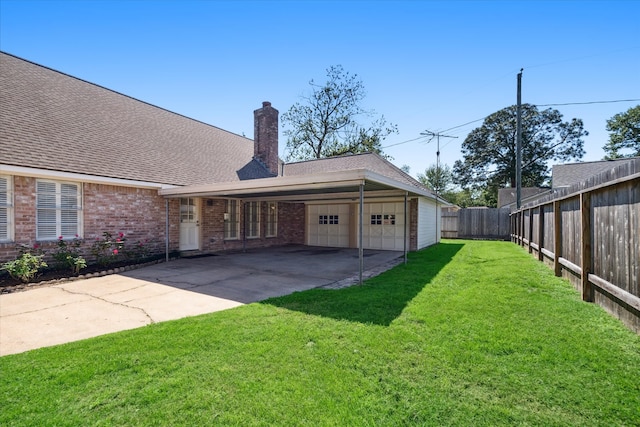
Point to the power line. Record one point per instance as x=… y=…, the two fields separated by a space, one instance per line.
x=404 y=142
x=587 y=103
x=536 y=105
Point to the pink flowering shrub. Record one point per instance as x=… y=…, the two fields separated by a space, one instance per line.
x=108 y=249
x=67 y=254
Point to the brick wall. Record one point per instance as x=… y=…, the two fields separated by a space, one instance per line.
x=291 y=227
x=140 y=214
x=413 y=224
x=265 y=135
x=136 y=212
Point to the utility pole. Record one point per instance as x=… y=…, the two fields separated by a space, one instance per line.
x=519 y=143
x=436 y=135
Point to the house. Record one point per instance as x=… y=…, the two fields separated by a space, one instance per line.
x=507 y=196
x=562 y=176
x=77 y=159
x=572 y=173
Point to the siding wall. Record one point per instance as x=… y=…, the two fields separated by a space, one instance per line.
x=427 y=233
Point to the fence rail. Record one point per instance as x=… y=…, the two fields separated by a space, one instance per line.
x=590 y=234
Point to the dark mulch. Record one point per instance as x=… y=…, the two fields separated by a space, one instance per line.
x=51 y=276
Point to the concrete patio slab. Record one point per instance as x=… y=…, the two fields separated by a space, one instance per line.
x=87 y=308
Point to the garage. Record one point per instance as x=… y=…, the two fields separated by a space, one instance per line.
x=328 y=225
x=383 y=226
x=335 y=225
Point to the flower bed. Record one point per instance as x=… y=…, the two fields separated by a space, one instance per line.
x=9 y=284
x=66 y=260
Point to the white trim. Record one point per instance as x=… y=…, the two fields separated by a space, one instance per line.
x=78 y=177
x=352 y=200
x=10 y=210
x=328 y=180
x=58 y=209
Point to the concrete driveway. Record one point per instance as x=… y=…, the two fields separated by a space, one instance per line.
x=81 y=309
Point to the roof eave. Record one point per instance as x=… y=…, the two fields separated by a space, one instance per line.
x=301 y=184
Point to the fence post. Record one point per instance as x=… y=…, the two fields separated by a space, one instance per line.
x=530 y=231
x=540 y=232
x=521 y=228
x=519 y=225
x=557 y=237
x=585 y=239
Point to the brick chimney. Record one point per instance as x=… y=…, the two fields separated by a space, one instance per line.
x=265 y=136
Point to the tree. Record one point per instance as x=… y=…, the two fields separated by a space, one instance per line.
x=331 y=121
x=489 y=151
x=624 y=134
x=437 y=178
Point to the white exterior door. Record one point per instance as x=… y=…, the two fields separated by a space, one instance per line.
x=189 y=224
x=383 y=226
x=328 y=225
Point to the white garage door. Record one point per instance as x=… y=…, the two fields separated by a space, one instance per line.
x=328 y=225
x=383 y=226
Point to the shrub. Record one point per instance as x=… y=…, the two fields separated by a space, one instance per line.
x=27 y=265
x=67 y=254
x=108 y=249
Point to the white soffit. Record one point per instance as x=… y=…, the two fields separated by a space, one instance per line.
x=293 y=186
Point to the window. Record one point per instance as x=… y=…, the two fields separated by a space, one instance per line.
x=253 y=220
x=272 y=219
x=385 y=219
x=231 y=220
x=6 y=211
x=58 y=206
x=328 y=219
x=187 y=210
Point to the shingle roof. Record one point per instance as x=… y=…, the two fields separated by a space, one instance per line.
x=50 y=120
x=507 y=196
x=572 y=173
x=370 y=161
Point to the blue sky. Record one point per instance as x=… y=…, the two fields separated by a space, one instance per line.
x=426 y=65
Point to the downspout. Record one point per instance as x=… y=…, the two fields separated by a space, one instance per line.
x=244 y=226
x=166 y=232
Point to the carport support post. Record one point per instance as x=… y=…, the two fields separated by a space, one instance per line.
x=360 y=220
x=404 y=237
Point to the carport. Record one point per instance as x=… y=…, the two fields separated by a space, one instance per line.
x=342 y=186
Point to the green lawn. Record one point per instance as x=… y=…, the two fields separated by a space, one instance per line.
x=468 y=333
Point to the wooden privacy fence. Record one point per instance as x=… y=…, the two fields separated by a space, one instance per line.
x=590 y=234
x=476 y=223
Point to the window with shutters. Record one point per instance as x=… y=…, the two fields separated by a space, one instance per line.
x=272 y=219
x=253 y=220
x=6 y=209
x=232 y=220
x=58 y=210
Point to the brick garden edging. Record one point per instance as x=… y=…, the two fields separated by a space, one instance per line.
x=27 y=286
